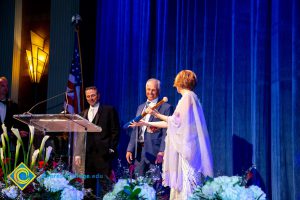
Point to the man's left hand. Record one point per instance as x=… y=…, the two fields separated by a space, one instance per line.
x=152 y=129
x=159 y=158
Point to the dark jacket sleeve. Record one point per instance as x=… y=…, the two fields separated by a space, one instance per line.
x=131 y=144
x=133 y=132
x=11 y=110
x=114 y=129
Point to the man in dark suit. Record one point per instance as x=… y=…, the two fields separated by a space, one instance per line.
x=101 y=148
x=147 y=144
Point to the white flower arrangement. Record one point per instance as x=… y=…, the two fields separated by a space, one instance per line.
x=48 y=186
x=54 y=182
x=11 y=192
x=147 y=191
x=59 y=182
x=71 y=193
x=120 y=186
x=125 y=188
x=227 y=188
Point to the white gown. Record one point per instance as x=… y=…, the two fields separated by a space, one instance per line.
x=189 y=182
x=187 y=148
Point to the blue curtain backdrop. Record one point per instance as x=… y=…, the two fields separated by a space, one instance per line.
x=246 y=55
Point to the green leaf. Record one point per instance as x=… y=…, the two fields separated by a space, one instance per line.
x=136 y=191
x=127 y=190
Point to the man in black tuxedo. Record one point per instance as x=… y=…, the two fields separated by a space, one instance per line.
x=8 y=108
x=149 y=142
x=101 y=148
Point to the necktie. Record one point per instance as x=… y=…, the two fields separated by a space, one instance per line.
x=147 y=105
x=143 y=128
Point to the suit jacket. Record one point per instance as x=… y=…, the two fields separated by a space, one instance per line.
x=153 y=142
x=98 y=157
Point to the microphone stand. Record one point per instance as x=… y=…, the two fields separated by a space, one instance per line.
x=67 y=103
x=39 y=103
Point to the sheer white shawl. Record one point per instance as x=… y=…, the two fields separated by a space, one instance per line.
x=188 y=138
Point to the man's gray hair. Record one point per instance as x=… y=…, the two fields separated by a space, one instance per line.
x=154 y=80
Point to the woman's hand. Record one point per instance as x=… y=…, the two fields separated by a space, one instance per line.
x=140 y=123
x=152 y=111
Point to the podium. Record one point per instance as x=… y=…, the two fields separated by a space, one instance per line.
x=73 y=124
x=58 y=123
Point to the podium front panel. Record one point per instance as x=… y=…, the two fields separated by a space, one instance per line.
x=58 y=122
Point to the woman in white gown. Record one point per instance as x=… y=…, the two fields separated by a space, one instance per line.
x=187 y=152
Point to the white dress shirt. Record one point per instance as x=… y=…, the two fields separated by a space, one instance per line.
x=2 y=112
x=93 y=111
x=146 y=118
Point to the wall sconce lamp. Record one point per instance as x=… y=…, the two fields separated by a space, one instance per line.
x=37 y=57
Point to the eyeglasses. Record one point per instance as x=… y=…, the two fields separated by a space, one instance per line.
x=91 y=96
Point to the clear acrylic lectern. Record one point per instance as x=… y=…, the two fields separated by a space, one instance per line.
x=75 y=125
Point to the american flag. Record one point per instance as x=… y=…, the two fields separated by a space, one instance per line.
x=74 y=101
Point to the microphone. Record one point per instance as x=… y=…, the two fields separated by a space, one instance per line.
x=58 y=95
x=138 y=118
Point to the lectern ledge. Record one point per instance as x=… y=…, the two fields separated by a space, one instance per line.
x=58 y=123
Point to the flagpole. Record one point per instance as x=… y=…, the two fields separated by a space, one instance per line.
x=76 y=21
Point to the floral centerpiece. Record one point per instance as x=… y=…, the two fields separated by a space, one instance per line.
x=58 y=185
x=218 y=188
x=134 y=189
x=228 y=188
x=52 y=181
x=49 y=185
x=148 y=187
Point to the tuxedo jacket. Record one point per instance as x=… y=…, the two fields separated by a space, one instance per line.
x=98 y=155
x=154 y=142
x=11 y=109
x=9 y=121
